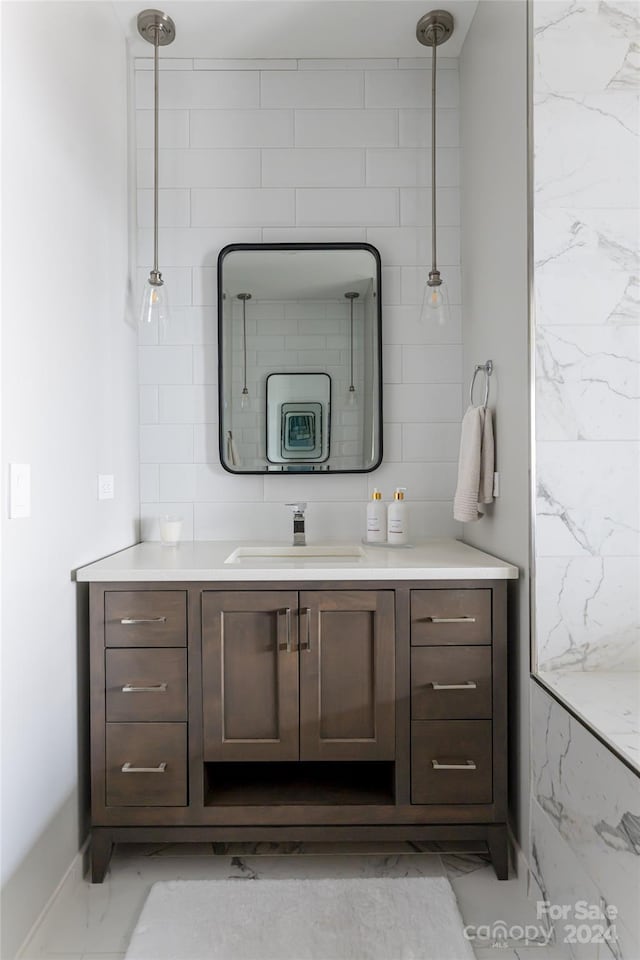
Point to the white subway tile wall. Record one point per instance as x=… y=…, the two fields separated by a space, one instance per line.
x=297 y=151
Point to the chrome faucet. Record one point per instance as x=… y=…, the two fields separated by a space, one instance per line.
x=299 y=539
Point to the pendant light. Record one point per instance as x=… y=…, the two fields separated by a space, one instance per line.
x=432 y=30
x=159 y=29
x=244 y=396
x=352 y=397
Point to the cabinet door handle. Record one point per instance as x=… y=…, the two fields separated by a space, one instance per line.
x=154 y=688
x=129 y=768
x=129 y=621
x=450 y=619
x=467 y=765
x=307 y=616
x=465 y=685
x=286 y=613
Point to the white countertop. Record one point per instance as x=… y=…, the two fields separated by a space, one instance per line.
x=205 y=560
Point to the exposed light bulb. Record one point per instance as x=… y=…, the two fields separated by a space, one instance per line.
x=245 y=399
x=155 y=304
x=352 y=397
x=435 y=305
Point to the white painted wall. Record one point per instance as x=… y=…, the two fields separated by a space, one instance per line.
x=297 y=150
x=69 y=409
x=493 y=126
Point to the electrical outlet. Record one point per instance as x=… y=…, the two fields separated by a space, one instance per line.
x=19 y=491
x=105 y=486
x=496 y=484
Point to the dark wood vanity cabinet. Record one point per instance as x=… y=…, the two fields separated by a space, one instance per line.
x=303 y=675
x=223 y=711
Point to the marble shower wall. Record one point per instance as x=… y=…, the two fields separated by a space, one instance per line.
x=585 y=829
x=586 y=92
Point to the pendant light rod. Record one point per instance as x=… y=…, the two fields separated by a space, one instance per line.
x=244 y=297
x=156 y=148
x=157 y=28
x=351 y=296
x=433 y=29
x=434 y=258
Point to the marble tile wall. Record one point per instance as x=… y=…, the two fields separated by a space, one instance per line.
x=585 y=803
x=585 y=831
x=586 y=94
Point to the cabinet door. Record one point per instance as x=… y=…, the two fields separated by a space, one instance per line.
x=250 y=675
x=347 y=677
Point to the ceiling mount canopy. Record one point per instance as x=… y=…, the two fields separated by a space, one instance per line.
x=156 y=27
x=434 y=28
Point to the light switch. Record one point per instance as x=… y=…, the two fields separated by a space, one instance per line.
x=19 y=491
x=105 y=486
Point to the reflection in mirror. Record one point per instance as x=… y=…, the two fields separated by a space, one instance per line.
x=299 y=338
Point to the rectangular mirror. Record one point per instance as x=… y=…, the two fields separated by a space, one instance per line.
x=300 y=358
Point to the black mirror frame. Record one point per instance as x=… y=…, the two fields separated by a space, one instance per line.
x=234 y=247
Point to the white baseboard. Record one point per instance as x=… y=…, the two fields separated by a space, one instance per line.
x=72 y=877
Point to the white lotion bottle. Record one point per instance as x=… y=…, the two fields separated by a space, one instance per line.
x=376 y=519
x=397 y=519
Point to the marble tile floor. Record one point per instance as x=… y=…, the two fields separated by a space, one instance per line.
x=607 y=701
x=95 y=922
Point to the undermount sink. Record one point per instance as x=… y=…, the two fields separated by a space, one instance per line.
x=340 y=552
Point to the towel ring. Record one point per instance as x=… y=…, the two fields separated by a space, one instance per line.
x=488 y=370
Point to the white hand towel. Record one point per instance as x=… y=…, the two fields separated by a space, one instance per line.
x=475 y=465
x=487 y=459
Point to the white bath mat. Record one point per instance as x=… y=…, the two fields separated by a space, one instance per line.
x=412 y=918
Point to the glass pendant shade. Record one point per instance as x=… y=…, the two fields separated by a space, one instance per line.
x=435 y=305
x=155 y=305
x=352 y=397
x=245 y=400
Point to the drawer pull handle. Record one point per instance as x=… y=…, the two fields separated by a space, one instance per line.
x=466 y=685
x=156 y=688
x=129 y=768
x=467 y=765
x=129 y=621
x=450 y=619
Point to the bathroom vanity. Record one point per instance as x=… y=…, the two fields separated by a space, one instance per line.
x=355 y=694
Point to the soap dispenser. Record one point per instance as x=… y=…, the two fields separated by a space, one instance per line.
x=397 y=531
x=376 y=519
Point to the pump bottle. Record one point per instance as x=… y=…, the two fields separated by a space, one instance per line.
x=376 y=519
x=397 y=532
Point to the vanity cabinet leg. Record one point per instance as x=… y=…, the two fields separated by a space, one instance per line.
x=498 y=843
x=101 y=846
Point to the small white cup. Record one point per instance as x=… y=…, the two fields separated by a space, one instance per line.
x=170 y=530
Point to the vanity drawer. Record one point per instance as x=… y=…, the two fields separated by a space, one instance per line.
x=146 y=765
x=441 y=617
x=451 y=761
x=450 y=683
x=145 y=618
x=146 y=684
